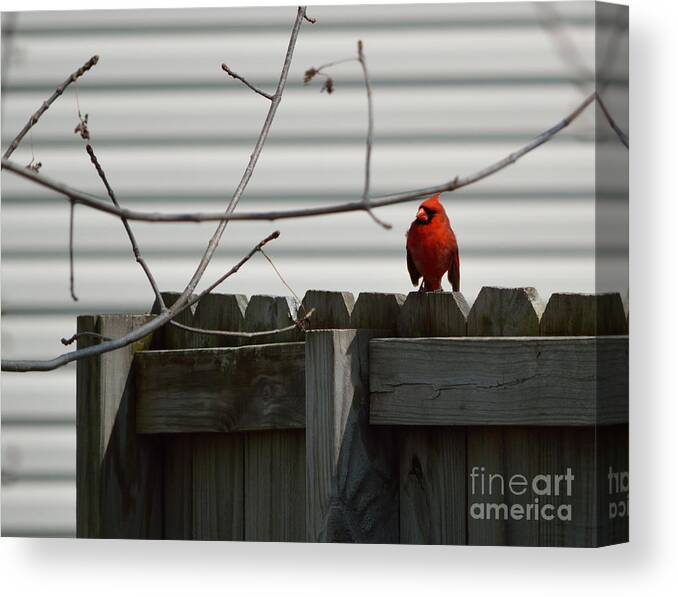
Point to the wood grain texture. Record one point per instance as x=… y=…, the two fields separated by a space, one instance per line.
x=569 y=314
x=169 y=336
x=433 y=486
x=351 y=474
x=274 y=503
x=218 y=487
x=269 y=313
x=221 y=389
x=499 y=381
x=119 y=474
x=430 y=314
x=432 y=500
x=275 y=486
x=377 y=310
x=220 y=312
x=332 y=309
x=505 y=312
x=178 y=486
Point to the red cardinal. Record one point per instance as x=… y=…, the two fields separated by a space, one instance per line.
x=432 y=247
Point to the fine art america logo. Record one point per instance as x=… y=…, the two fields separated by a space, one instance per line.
x=540 y=488
x=489 y=492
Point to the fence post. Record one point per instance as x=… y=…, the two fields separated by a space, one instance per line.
x=351 y=467
x=119 y=480
x=432 y=459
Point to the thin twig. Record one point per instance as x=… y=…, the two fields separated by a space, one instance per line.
x=623 y=137
x=74 y=337
x=70 y=251
x=368 y=140
x=298 y=324
x=384 y=200
x=136 y=334
x=130 y=235
x=47 y=103
x=282 y=279
x=310 y=19
x=184 y=300
x=244 y=81
x=553 y=23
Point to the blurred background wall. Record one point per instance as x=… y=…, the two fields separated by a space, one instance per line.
x=456 y=87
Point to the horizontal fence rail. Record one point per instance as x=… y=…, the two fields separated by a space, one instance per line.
x=390 y=419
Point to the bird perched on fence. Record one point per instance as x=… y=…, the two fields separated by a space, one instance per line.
x=432 y=248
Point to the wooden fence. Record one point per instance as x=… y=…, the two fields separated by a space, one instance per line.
x=392 y=420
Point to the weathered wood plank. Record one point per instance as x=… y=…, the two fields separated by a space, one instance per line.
x=501 y=450
x=218 y=487
x=275 y=486
x=499 y=381
x=178 y=486
x=119 y=474
x=378 y=311
x=568 y=314
x=595 y=452
x=274 y=476
x=433 y=314
x=432 y=500
x=269 y=313
x=433 y=486
x=224 y=312
x=352 y=481
x=505 y=312
x=221 y=389
x=332 y=309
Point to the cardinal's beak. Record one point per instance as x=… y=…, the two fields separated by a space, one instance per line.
x=422 y=216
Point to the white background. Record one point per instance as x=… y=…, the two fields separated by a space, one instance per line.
x=645 y=566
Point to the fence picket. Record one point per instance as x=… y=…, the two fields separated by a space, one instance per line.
x=275 y=501
x=429 y=454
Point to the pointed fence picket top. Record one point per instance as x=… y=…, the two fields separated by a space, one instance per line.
x=505 y=312
x=569 y=314
x=431 y=458
x=332 y=309
x=377 y=310
x=427 y=314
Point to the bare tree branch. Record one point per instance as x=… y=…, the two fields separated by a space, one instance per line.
x=623 y=137
x=47 y=103
x=184 y=299
x=136 y=334
x=130 y=235
x=299 y=323
x=368 y=140
x=268 y=96
x=382 y=201
x=553 y=23
x=70 y=251
x=74 y=337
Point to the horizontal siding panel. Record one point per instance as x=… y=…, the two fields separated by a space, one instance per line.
x=38 y=509
x=35 y=398
x=323 y=169
x=197 y=58
x=232 y=114
x=463 y=15
x=30 y=452
x=484 y=227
